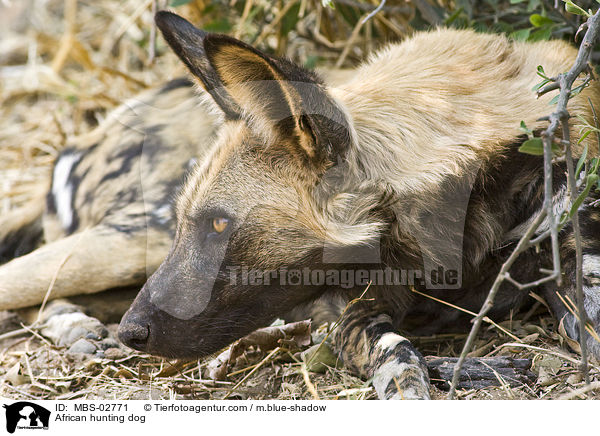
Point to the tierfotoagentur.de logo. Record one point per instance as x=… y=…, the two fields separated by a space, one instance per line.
x=24 y=415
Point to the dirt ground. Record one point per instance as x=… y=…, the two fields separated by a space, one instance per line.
x=61 y=69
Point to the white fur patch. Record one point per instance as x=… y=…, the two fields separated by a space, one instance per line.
x=192 y=163
x=410 y=377
x=592 y=302
x=389 y=341
x=62 y=189
x=163 y=214
x=591 y=265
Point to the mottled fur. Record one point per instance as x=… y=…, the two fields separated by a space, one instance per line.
x=108 y=213
x=412 y=164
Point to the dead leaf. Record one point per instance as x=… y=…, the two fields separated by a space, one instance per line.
x=292 y=335
x=318 y=358
x=123 y=373
x=574 y=345
x=14 y=376
x=171 y=369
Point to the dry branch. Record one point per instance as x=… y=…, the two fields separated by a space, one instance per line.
x=559 y=118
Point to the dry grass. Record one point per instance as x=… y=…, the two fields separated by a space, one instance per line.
x=63 y=65
x=30 y=367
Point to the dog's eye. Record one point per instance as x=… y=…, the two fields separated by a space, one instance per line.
x=220 y=224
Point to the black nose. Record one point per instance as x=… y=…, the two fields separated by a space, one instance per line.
x=134 y=335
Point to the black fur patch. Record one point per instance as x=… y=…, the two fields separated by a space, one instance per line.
x=21 y=241
x=180 y=82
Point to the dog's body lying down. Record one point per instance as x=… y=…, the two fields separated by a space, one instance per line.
x=415 y=156
x=109 y=203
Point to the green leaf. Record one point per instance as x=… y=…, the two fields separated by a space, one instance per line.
x=574 y=9
x=328 y=4
x=290 y=19
x=590 y=181
x=533 y=146
x=220 y=25
x=594 y=164
x=526 y=129
x=175 y=3
x=311 y=62
x=520 y=35
x=541 y=34
x=539 y=85
x=563 y=219
x=452 y=18
x=581 y=160
x=554 y=100
x=514 y=2
x=539 y=21
x=542 y=73
x=585 y=135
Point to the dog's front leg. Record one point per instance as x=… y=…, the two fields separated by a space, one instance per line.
x=369 y=346
x=92 y=260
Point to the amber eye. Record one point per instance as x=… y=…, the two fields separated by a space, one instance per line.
x=220 y=224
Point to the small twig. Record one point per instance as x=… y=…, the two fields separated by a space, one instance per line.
x=559 y=118
x=486 y=319
x=398 y=388
x=375 y=12
x=37 y=335
x=130 y=20
x=549 y=87
x=243 y=18
x=13 y=333
x=489 y=301
x=395 y=10
x=247 y=376
x=309 y=385
x=350 y=41
x=152 y=42
x=66 y=42
x=392 y=26
x=581 y=391
x=337 y=322
x=540 y=349
x=500 y=379
x=571 y=307
x=269 y=28
x=55 y=277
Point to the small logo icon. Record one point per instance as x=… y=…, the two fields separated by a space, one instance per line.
x=26 y=415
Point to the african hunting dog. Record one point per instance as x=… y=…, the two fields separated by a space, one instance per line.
x=406 y=177
x=108 y=212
